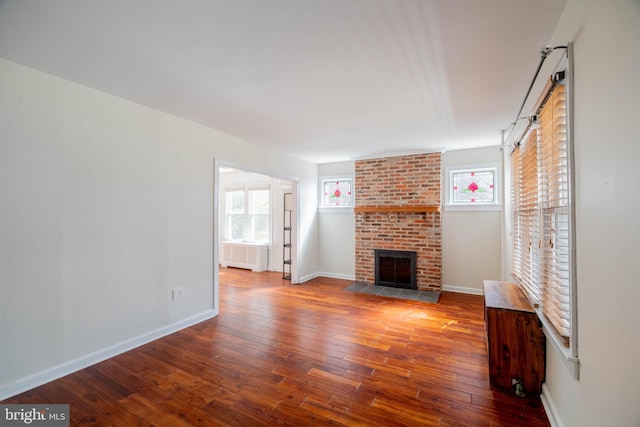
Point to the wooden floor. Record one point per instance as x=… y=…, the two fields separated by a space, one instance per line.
x=298 y=355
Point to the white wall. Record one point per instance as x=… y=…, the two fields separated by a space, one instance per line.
x=606 y=38
x=105 y=206
x=336 y=250
x=471 y=240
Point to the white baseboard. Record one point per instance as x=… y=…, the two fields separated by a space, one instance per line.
x=325 y=274
x=550 y=407
x=307 y=277
x=462 y=290
x=21 y=385
x=337 y=276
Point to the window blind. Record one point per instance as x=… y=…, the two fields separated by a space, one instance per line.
x=526 y=219
x=554 y=203
x=540 y=192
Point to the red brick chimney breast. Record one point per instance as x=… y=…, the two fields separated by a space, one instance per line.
x=400 y=182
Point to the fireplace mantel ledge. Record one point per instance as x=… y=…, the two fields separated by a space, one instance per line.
x=390 y=209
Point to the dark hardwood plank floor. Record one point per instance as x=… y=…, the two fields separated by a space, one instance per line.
x=298 y=355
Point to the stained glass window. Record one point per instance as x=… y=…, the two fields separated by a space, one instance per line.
x=337 y=192
x=473 y=186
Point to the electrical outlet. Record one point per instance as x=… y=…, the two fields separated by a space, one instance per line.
x=176 y=293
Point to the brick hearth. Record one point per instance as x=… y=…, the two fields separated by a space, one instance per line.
x=400 y=182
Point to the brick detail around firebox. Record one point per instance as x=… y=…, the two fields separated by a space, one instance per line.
x=413 y=180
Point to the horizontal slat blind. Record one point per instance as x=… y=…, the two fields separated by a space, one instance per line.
x=554 y=198
x=516 y=224
x=526 y=215
x=540 y=194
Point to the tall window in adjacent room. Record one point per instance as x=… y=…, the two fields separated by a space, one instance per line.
x=259 y=215
x=542 y=212
x=248 y=215
x=235 y=214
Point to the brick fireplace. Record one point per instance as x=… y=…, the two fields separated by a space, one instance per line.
x=398 y=208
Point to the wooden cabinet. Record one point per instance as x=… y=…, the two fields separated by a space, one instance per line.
x=515 y=342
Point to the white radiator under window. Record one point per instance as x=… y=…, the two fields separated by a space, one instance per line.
x=244 y=255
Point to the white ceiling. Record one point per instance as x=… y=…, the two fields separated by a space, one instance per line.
x=325 y=80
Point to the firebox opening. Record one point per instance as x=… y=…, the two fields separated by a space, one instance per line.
x=396 y=268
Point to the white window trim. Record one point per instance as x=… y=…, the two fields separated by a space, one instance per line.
x=472 y=207
x=322 y=208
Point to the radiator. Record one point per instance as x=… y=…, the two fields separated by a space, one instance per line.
x=244 y=255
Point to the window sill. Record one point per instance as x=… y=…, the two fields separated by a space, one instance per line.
x=336 y=210
x=572 y=363
x=246 y=243
x=472 y=208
